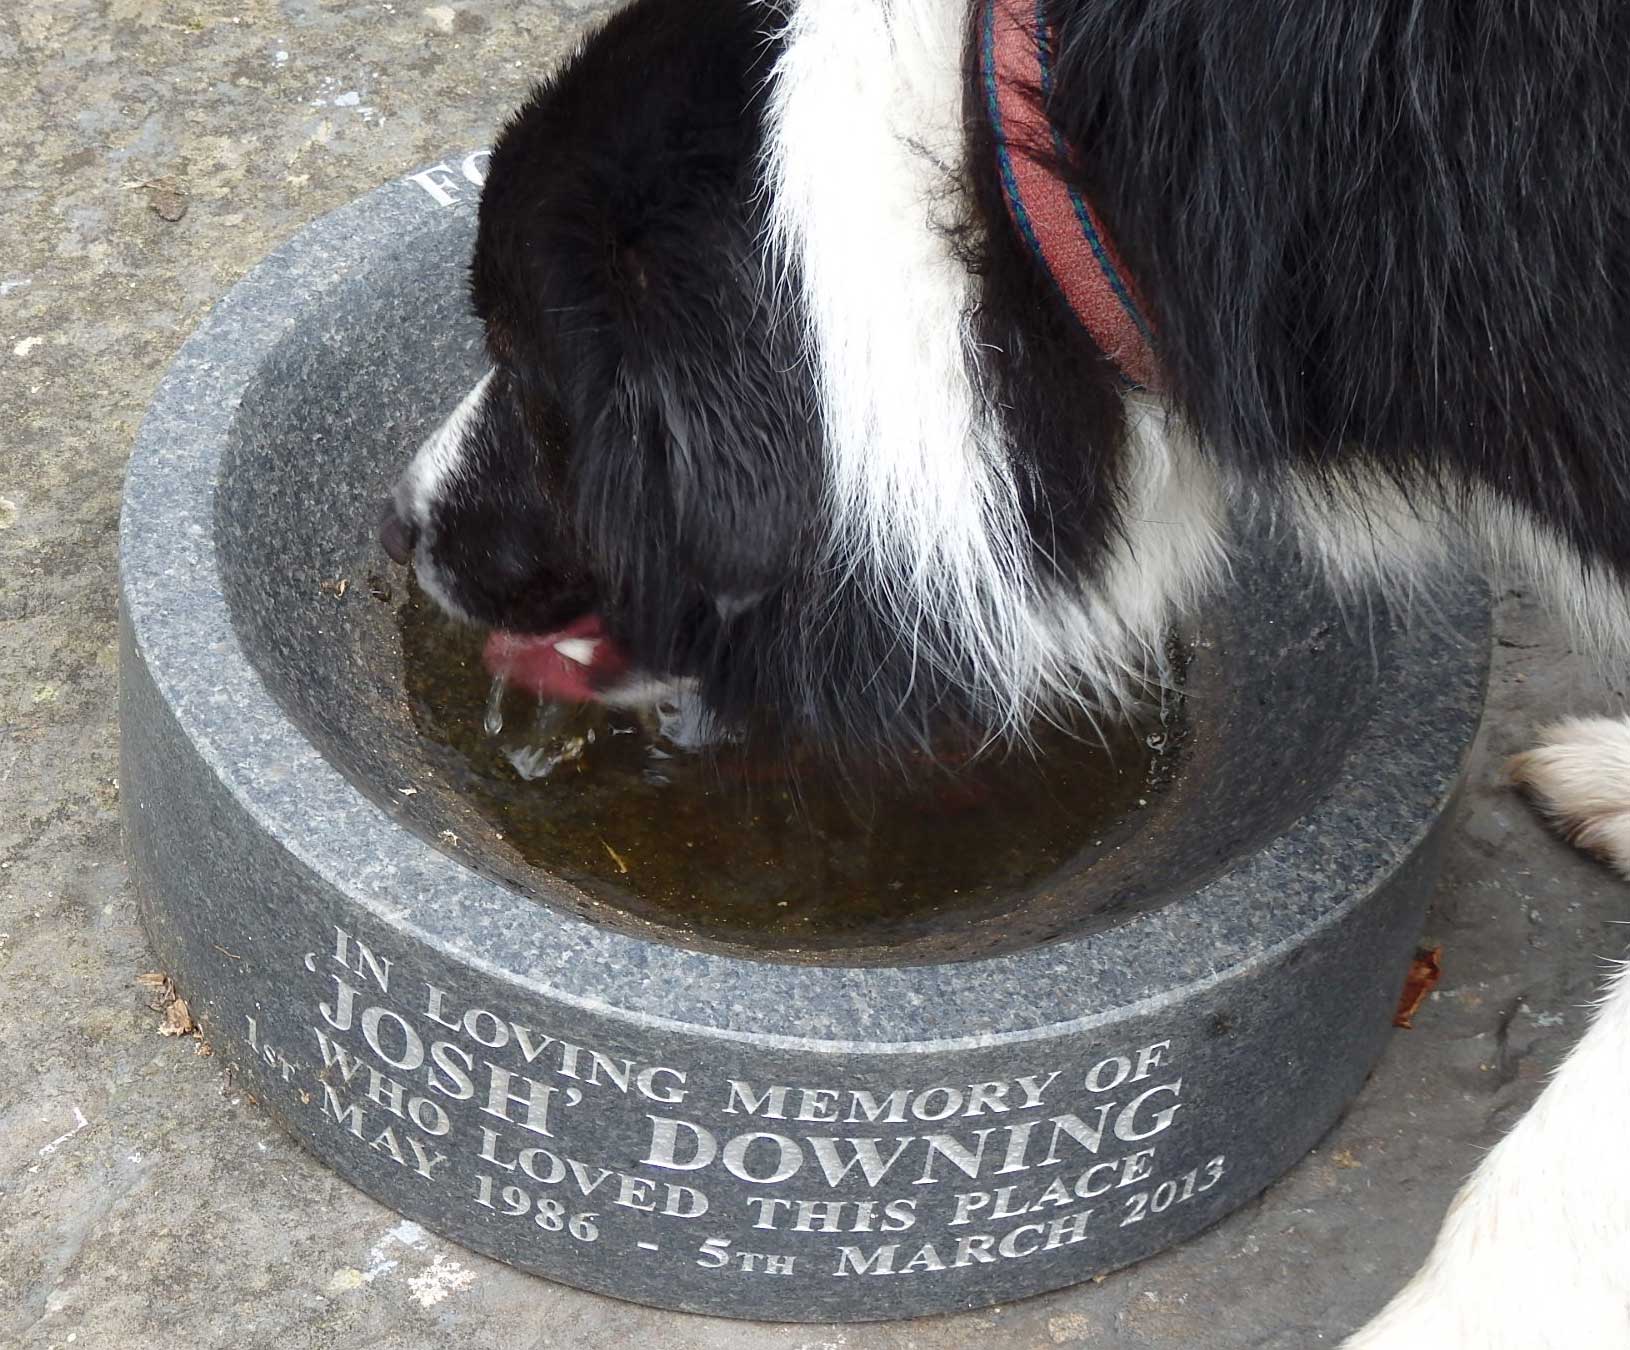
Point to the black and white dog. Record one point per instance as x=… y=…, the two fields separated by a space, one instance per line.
x=890 y=362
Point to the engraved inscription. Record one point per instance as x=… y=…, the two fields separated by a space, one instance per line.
x=448 y=184
x=569 y=1144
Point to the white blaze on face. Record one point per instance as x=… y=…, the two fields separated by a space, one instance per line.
x=440 y=460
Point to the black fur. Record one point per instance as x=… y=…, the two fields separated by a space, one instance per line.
x=1376 y=234
x=625 y=297
x=1058 y=394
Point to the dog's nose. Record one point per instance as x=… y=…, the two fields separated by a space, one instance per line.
x=396 y=536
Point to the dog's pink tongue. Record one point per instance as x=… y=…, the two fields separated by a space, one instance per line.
x=570 y=665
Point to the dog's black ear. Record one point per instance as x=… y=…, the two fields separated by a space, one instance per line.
x=725 y=412
x=621 y=259
x=734 y=448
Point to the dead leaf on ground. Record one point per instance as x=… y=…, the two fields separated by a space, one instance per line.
x=175 y=1017
x=178 y=1020
x=1424 y=973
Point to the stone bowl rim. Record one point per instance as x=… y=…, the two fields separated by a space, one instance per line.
x=1269 y=902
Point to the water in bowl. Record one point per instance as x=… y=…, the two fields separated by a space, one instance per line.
x=785 y=853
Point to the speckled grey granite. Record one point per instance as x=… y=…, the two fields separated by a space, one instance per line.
x=690 y=1128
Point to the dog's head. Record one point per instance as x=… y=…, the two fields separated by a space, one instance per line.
x=637 y=470
x=780 y=410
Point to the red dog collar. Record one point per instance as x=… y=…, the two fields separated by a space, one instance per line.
x=1060 y=226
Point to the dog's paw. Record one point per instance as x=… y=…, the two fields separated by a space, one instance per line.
x=1579 y=779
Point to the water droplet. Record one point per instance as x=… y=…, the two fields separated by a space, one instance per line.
x=494 y=720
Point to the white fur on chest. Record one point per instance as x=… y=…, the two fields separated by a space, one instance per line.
x=865 y=158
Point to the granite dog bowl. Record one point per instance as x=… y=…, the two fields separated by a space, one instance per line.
x=870 y=1133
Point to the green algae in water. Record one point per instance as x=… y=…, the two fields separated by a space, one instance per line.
x=770 y=854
